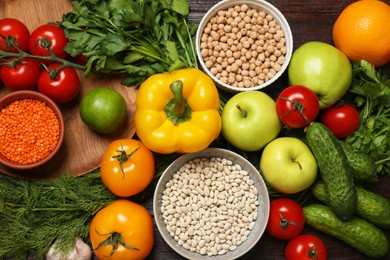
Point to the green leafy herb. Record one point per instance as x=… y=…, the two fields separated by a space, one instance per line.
x=371 y=93
x=137 y=38
x=34 y=214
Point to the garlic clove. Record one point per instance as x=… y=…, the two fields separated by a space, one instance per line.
x=81 y=251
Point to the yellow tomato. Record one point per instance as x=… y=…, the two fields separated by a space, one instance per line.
x=122 y=230
x=127 y=167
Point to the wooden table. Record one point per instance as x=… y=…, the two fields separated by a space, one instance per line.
x=309 y=21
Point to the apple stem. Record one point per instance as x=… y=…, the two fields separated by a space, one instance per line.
x=300 y=166
x=243 y=113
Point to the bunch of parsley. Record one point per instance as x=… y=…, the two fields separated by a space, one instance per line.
x=136 y=38
x=370 y=91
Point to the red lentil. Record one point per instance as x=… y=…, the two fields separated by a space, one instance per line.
x=29 y=131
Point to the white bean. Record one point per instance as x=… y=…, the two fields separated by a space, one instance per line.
x=210 y=206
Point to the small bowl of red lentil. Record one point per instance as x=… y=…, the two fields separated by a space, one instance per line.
x=31 y=129
x=244 y=45
x=212 y=204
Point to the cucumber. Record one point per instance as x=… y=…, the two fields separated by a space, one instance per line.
x=370 y=206
x=362 y=165
x=334 y=170
x=356 y=232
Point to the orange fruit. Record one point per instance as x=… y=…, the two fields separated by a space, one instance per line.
x=103 y=110
x=362 y=32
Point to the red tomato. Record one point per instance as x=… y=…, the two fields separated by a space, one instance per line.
x=286 y=219
x=297 y=106
x=48 y=36
x=342 y=119
x=60 y=85
x=306 y=247
x=10 y=27
x=20 y=74
x=81 y=59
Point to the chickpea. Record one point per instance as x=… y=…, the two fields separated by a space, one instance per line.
x=238 y=77
x=248 y=83
x=227 y=28
x=248 y=45
x=213 y=71
x=244 y=8
x=281 y=60
x=234 y=67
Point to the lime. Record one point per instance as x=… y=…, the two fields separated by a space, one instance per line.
x=103 y=110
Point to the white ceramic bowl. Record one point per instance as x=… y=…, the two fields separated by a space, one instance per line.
x=260 y=5
x=263 y=207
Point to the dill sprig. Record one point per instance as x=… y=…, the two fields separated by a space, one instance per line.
x=34 y=214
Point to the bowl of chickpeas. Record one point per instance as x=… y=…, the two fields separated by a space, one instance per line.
x=212 y=204
x=31 y=129
x=244 y=45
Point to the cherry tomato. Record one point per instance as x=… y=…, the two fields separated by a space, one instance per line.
x=342 y=119
x=297 y=106
x=306 y=247
x=20 y=74
x=81 y=59
x=127 y=167
x=61 y=85
x=286 y=219
x=13 y=28
x=48 y=36
x=122 y=230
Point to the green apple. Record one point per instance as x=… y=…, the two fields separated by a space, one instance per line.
x=288 y=165
x=249 y=120
x=323 y=68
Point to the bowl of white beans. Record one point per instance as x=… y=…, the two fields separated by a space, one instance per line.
x=244 y=45
x=212 y=204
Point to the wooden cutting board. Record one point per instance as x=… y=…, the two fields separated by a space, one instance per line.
x=83 y=148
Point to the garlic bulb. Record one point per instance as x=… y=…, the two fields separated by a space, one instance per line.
x=81 y=251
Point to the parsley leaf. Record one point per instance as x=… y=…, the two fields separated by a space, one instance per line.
x=137 y=38
x=370 y=90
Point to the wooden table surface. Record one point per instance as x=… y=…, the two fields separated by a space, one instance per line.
x=309 y=21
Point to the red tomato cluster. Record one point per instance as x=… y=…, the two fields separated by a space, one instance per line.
x=287 y=221
x=59 y=83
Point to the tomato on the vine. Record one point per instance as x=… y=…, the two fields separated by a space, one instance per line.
x=60 y=84
x=13 y=30
x=306 y=247
x=122 y=230
x=20 y=74
x=48 y=36
x=127 y=167
x=297 y=106
x=342 y=119
x=286 y=219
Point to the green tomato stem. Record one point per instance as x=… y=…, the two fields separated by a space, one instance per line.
x=21 y=54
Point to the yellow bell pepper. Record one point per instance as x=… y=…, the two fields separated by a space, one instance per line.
x=178 y=112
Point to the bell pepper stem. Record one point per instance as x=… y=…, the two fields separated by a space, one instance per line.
x=177 y=108
x=177 y=90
